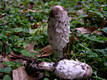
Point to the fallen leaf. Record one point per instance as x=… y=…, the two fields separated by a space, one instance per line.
x=21 y=5
x=2 y=16
x=28 y=10
x=45 y=21
x=71 y=53
x=103 y=23
x=97 y=32
x=80 y=11
x=31 y=10
x=30 y=5
x=40 y=11
x=1 y=66
x=82 y=30
x=37 y=25
x=46 y=51
x=30 y=48
x=20 y=74
x=12 y=54
x=91 y=29
x=1 y=57
x=6 y=59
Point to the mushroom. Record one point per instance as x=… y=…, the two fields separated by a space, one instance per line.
x=58 y=30
x=68 y=69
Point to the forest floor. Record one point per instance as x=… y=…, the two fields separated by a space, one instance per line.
x=23 y=36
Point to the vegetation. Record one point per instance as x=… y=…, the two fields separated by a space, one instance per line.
x=25 y=21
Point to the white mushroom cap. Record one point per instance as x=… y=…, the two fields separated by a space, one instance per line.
x=70 y=69
x=59 y=7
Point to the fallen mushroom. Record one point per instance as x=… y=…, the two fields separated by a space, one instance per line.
x=68 y=69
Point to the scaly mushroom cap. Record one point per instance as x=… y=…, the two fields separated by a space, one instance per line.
x=70 y=69
x=58 y=28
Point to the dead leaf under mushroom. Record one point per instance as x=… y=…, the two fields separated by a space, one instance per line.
x=20 y=74
x=46 y=51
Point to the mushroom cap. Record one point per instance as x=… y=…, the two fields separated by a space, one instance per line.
x=58 y=7
x=56 y=10
x=58 y=28
x=70 y=69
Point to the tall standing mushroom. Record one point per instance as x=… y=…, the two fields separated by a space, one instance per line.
x=58 y=30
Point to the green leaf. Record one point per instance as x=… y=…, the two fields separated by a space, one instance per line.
x=46 y=79
x=3 y=34
x=83 y=15
x=92 y=55
x=1 y=46
x=105 y=64
x=104 y=29
x=96 y=13
x=8 y=49
x=10 y=63
x=7 y=77
x=89 y=51
x=18 y=64
x=103 y=51
x=17 y=29
x=24 y=52
x=6 y=70
x=93 y=38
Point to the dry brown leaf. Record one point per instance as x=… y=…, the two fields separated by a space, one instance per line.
x=21 y=5
x=81 y=11
x=37 y=25
x=28 y=10
x=45 y=21
x=97 y=32
x=20 y=74
x=12 y=54
x=103 y=23
x=6 y=59
x=40 y=11
x=46 y=51
x=87 y=29
x=83 y=30
x=2 y=16
x=91 y=28
x=30 y=5
x=13 y=57
x=1 y=57
x=1 y=66
x=71 y=53
x=31 y=10
x=30 y=48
